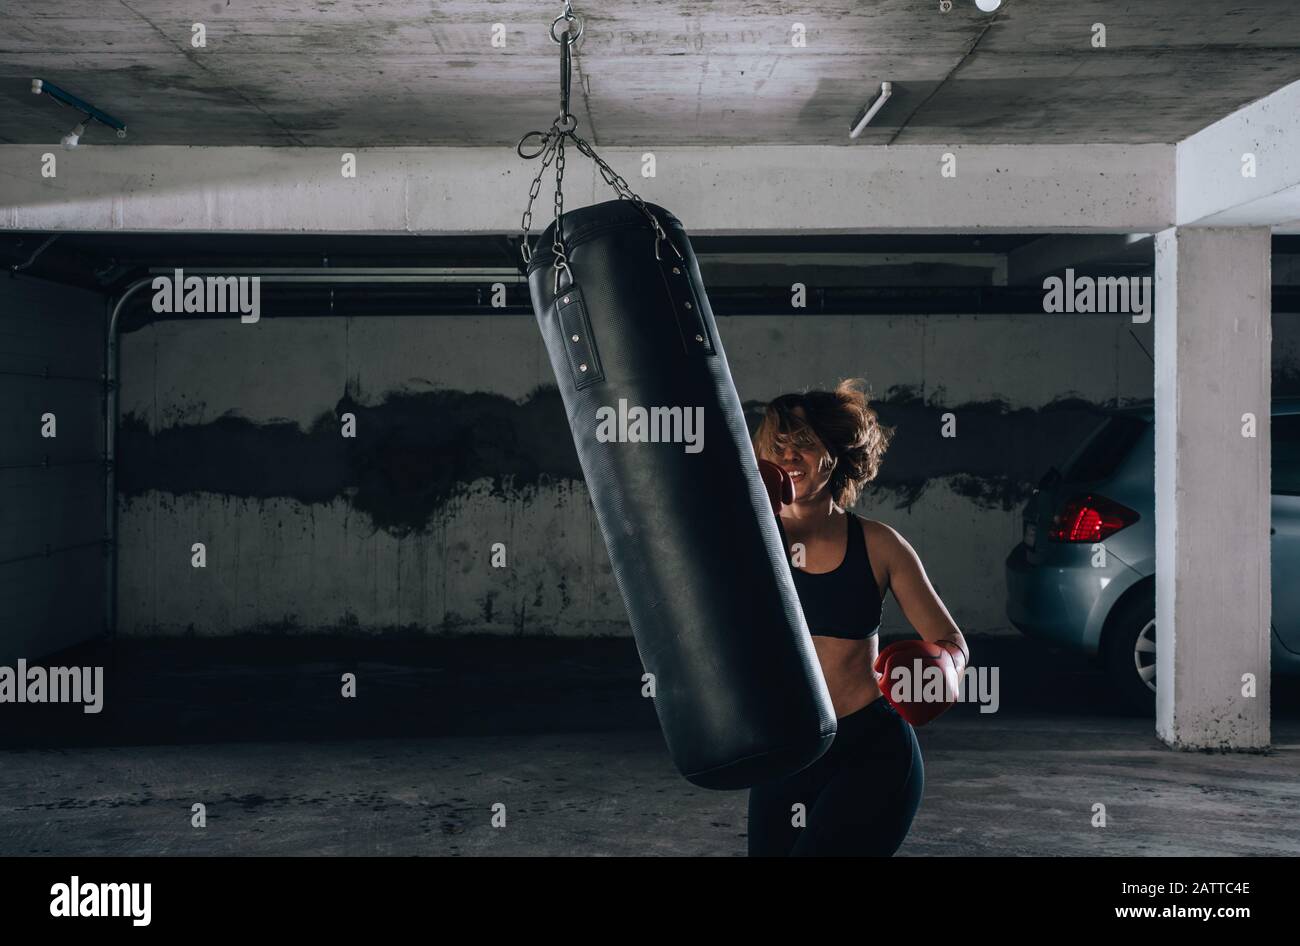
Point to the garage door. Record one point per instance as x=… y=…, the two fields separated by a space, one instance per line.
x=51 y=488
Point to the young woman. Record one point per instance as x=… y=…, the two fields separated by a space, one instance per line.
x=816 y=451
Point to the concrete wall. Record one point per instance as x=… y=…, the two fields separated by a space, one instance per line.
x=805 y=189
x=230 y=437
x=51 y=488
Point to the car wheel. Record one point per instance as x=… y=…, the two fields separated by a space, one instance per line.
x=1131 y=654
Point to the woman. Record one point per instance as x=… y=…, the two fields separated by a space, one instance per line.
x=860 y=797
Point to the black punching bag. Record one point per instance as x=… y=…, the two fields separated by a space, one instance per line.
x=688 y=525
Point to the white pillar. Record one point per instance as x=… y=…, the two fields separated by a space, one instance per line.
x=1213 y=594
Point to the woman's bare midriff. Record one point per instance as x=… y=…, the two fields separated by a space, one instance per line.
x=847 y=667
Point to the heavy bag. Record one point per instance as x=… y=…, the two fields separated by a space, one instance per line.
x=671 y=470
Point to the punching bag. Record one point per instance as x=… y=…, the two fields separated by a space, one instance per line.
x=671 y=470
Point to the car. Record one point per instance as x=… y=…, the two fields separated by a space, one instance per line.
x=1083 y=575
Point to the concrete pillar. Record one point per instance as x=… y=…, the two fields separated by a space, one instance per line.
x=1213 y=590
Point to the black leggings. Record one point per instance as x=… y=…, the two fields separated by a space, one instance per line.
x=859 y=798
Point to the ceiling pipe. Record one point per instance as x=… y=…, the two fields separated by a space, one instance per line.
x=362 y=275
x=19 y=267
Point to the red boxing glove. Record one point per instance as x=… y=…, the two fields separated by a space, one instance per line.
x=921 y=679
x=780 y=488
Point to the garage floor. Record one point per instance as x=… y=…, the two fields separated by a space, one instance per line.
x=442 y=730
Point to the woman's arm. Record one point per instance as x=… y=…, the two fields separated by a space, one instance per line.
x=916 y=597
x=940 y=656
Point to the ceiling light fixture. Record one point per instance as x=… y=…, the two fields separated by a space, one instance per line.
x=868 y=113
x=988 y=6
x=73 y=138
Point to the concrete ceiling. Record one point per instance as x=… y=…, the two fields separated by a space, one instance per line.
x=367 y=73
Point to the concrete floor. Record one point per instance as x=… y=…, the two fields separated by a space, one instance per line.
x=579 y=768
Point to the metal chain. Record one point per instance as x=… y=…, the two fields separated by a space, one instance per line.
x=557 y=245
x=551 y=148
x=549 y=142
x=620 y=185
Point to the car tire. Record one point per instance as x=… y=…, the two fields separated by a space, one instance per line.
x=1130 y=654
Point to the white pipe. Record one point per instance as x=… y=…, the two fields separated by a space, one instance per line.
x=886 y=89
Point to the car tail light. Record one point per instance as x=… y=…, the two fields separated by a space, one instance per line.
x=1089 y=519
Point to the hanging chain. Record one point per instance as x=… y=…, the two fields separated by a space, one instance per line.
x=548 y=151
x=616 y=181
x=557 y=246
x=550 y=148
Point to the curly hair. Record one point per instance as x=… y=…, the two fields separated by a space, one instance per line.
x=839 y=424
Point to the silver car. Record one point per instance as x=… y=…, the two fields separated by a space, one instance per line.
x=1061 y=591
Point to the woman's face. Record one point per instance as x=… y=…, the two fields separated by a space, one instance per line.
x=800 y=455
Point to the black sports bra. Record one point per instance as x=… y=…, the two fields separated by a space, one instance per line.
x=843 y=603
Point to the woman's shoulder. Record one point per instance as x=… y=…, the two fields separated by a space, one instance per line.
x=881 y=537
x=872 y=526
